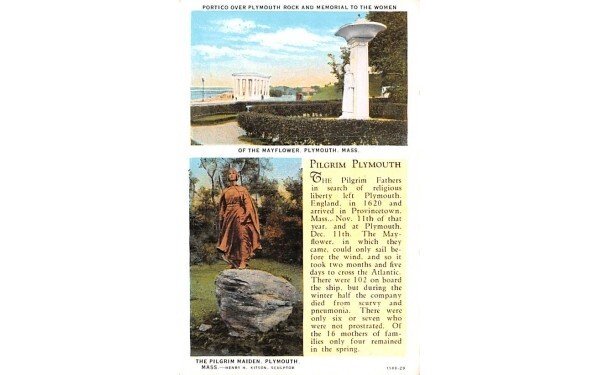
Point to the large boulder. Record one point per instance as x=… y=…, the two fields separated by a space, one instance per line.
x=253 y=301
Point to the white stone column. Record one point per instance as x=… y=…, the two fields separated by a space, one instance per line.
x=358 y=35
x=359 y=62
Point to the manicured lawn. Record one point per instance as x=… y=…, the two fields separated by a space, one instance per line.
x=202 y=283
x=327 y=93
x=330 y=93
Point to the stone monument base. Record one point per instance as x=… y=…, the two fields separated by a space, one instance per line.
x=253 y=301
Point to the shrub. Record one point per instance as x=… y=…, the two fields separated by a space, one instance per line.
x=282 y=238
x=320 y=131
x=276 y=93
x=317 y=109
x=202 y=252
x=377 y=109
x=394 y=111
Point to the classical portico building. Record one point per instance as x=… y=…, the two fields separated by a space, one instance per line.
x=251 y=86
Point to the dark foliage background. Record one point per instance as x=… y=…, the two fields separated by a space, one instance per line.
x=279 y=209
x=320 y=131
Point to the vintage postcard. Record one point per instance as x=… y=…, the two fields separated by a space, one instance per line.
x=300 y=232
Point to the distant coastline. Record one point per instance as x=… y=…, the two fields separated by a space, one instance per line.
x=196 y=93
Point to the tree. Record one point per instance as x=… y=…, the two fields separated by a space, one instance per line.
x=280 y=213
x=282 y=221
x=250 y=170
x=193 y=182
x=337 y=69
x=276 y=93
x=294 y=187
x=210 y=165
x=203 y=229
x=388 y=53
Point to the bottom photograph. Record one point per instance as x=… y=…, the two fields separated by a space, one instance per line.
x=245 y=223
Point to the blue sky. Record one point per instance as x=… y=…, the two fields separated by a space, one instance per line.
x=282 y=168
x=292 y=47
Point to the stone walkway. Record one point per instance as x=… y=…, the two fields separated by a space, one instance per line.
x=222 y=134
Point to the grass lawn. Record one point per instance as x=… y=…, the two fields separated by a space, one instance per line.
x=330 y=93
x=327 y=93
x=202 y=283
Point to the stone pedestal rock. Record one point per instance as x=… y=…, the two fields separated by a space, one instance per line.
x=253 y=301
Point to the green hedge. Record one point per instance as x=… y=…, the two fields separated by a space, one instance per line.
x=394 y=111
x=319 y=131
x=234 y=107
x=199 y=111
x=377 y=109
x=214 y=119
x=316 y=109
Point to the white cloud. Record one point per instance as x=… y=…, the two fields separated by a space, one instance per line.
x=214 y=52
x=295 y=39
x=238 y=26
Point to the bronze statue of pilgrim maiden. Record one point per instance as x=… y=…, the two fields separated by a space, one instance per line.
x=239 y=231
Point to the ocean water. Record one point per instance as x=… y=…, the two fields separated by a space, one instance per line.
x=209 y=92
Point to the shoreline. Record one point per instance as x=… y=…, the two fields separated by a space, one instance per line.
x=225 y=97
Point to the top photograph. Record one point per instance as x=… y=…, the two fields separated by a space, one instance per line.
x=299 y=78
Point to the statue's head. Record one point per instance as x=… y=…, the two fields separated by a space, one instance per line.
x=232 y=175
x=347 y=68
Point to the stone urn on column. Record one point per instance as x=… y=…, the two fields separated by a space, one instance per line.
x=358 y=35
